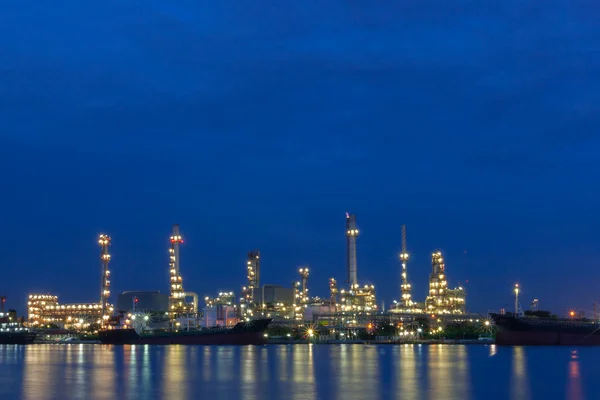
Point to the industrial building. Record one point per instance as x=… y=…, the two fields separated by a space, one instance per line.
x=221 y=310
x=267 y=300
x=273 y=294
x=352 y=306
x=45 y=309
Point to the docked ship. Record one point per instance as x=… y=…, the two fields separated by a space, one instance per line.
x=14 y=332
x=243 y=333
x=545 y=331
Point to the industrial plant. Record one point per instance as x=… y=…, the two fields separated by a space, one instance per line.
x=44 y=310
x=340 y=313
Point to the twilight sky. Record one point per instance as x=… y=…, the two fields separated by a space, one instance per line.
x=259 y=124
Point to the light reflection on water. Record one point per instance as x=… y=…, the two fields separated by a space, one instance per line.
x=574 y=386
x=296 y=372
x=175 y=376
x=519 y=382
x=409 y=374
x=448 y=368
x=356 y=370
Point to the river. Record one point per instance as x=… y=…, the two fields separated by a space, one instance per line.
x=302 y=372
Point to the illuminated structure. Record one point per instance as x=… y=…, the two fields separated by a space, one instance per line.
x=351 y=235
x=359 y=299
x=224 y=298
x=220 y=311
x=253 y=276
x=355 y=299
x=442 y=300
x=517 y=300
x=535 y=305
x=177 y=299
x=301 y=298
x=406 y=304
x=333 y=293
x=104 y=242
x=296 y=304
x=274 y=301
x=304 y=299
x=44 y=310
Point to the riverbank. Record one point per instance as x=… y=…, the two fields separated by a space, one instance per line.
x=67 y=342
x=379 y=342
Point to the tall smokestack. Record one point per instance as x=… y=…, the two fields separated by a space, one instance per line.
x=351 y=235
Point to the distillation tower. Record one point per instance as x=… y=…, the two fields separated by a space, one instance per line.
x=177 y=297
x=442 y=300
x=253 y=277
x=407 y=303
x=178 y=304
x=333 y=294
x=304 y=299
x=105 y=307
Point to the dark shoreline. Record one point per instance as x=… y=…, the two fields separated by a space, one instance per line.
x=386 y=342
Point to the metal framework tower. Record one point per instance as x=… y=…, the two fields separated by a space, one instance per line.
x=104 y=242
x=351 y=235
x=407 y=302
x=304 y=286
x=177 y=297
x=517 y=300
x=253 y=274
x=333 y=292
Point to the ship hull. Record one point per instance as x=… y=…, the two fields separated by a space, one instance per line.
x=241 y=334
x=17 y=337
x=539 y=332
x=537 y=338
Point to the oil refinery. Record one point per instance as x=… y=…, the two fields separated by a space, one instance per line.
x=345 y=308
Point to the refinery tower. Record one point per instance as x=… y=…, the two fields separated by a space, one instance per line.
x=351 y=235
x=357 y=298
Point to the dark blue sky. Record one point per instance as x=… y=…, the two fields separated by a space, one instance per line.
x=259 y=124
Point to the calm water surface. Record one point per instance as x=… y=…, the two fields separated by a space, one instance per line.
x=300 y=372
